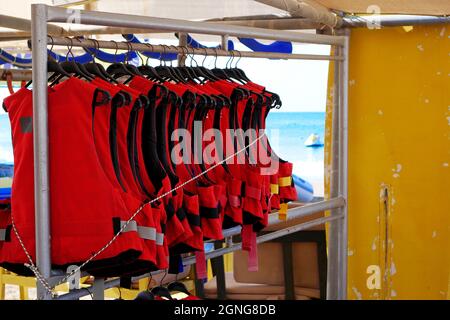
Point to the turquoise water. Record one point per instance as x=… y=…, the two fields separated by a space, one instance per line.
x=293 y=129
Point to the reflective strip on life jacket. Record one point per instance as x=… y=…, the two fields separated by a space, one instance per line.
x=5 y=234
x=274 y=188
x=147 y=233
x=159 y=238
x=285 y=181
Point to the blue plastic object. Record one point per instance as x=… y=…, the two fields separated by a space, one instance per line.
x=195 y=44
x=111 y=57
x=276 y=46
x=154 y=55
x=84 y=58
x=10 y=57
x=305 y=190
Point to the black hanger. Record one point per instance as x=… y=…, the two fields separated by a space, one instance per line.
x=219 y=73
x=97 y=69
x=149 y=71
x=118 y=69
x=239 y=72
x=178 y=286
x=74 y=67
x=167 y=72
x=145 y=296
x=162 y=291
x=53 y=67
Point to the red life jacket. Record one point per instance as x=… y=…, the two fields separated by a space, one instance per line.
x=5 y=222
x=83 y=202
x=106 y=138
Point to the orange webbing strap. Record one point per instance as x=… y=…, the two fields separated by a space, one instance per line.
x=285 y=181
x=283 y=212
x=9 y=82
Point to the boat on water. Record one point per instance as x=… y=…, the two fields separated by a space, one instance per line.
x=313 y=141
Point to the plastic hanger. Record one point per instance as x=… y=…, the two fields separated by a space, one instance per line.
x=167 y=72
x=178 y=286
x=118 y=69
x=97 y=69
x=162 y=291
x=53 y=67
x=73 y=67
x=147 y=70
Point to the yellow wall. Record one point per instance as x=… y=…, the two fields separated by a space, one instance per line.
x=399 y=139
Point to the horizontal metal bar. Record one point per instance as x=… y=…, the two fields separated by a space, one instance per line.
x=22 y=35
x=17 y=74
x=295 y=213
x=391 y=20
x=181 y=50
x=56 y=14
x=25 y=25
x=266 y=237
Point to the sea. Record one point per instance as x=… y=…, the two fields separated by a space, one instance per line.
x=287 y=132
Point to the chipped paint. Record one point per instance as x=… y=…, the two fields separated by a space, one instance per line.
x=396 y=175
x=393 y=293
x=442 y=33
x=357 y=293
x=352 y=82
x=445 y=164
x=427 y=101
x=393 y=269
x=434 y=234
x=380 y=112
x=448 y=119
x=420 y=47
x=350 y=253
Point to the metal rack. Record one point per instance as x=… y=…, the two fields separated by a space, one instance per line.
x=337 y=245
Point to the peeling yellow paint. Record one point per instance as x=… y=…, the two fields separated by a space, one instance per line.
x=397 y=75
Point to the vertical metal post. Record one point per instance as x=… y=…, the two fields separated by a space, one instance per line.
x=182 y=42
x=333 y=237
x=337 y=241
x=343 y=169
x=225 y=42
x=98 y=289
x=40 y=142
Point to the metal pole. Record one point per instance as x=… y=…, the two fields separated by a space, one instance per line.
x=333 y=237
x=56 y=14
x=40 y=143
x=98 y=289
x=17 y=74
x=225 y=42
x=182 y=42
x=25 y=25
x=179 y=50
x=343 y=170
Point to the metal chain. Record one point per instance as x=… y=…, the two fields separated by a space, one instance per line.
x=42 y=279
x=31 y=265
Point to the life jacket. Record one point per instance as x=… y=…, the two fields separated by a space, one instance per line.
x=167 y=124
x=5 y=222
x=107 y=136
x=281 y=184
x=83 y=204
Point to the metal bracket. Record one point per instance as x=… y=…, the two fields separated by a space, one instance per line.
x=74 y=280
